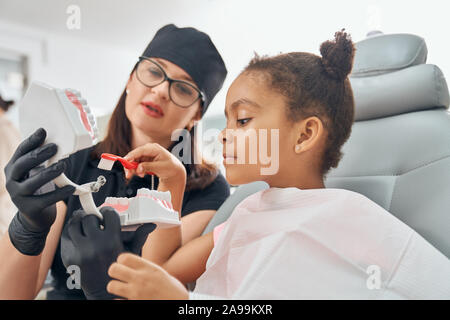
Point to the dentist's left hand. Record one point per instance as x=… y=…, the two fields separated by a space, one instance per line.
x=93 y=249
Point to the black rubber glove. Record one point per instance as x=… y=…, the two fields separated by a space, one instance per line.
x=37 y=211
x=93 y=249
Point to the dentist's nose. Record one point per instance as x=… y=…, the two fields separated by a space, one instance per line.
x=162 y=90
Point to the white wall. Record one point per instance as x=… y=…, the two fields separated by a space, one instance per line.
x=99 y=72
x=268 y=27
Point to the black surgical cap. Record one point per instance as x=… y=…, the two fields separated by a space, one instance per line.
x=194 y=52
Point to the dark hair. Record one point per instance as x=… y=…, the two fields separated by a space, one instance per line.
x=316 y=86
x=4 y=105
x=118 y=141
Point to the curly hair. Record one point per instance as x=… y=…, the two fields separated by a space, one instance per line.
x=315 y=86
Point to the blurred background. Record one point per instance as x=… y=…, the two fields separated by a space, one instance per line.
x=39 y=39
x=92 y=45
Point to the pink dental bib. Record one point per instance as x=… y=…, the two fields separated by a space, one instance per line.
x=321 y=244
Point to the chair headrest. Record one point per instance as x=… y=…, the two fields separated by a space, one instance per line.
x=383 y=53
x=417 y=88
x=389 y=77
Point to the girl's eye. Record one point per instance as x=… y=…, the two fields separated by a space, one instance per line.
x=243 y=121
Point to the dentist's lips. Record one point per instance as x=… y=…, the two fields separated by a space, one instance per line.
x=152 y=109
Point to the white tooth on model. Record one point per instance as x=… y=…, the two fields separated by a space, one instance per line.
x=143 y=191
x=75 y=92
x=91 y=121
x=162 y=195
x=123 y=201
x=111 y=201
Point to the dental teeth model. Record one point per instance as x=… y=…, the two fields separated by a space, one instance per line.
x=149 y=206
x=69 y=123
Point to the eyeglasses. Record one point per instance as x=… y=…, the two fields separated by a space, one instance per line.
x=151 y=74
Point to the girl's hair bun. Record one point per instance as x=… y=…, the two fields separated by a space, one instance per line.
x=337 y=55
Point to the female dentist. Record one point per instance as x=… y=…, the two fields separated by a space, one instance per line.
x=170 y=87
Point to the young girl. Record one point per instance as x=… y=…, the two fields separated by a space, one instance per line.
x=297 y=239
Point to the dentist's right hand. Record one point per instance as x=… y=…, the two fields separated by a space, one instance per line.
x=37 y=212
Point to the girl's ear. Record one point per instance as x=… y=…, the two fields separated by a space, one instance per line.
x=308 y=134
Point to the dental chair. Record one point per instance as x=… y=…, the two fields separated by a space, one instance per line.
x=398 y=154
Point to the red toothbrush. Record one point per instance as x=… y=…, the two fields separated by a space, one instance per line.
x=107 y=161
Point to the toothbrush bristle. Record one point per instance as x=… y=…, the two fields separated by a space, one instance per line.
x=105 y=164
